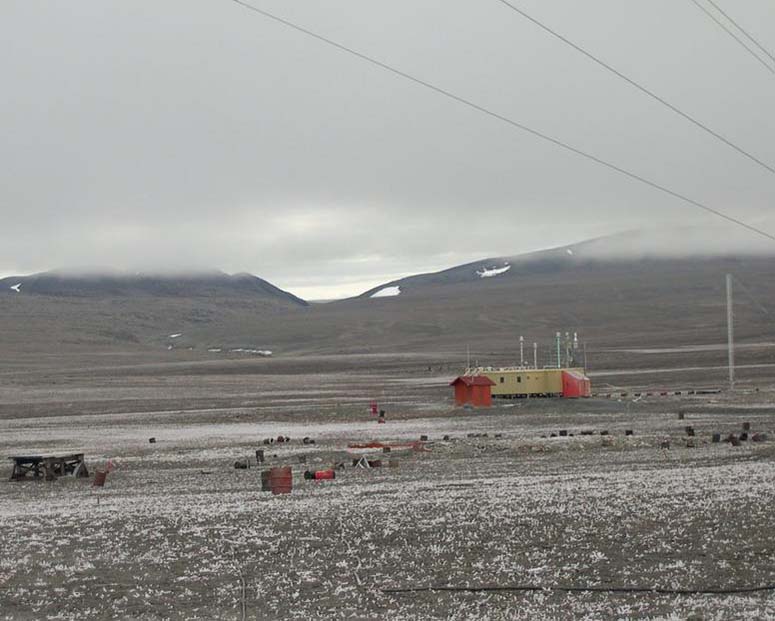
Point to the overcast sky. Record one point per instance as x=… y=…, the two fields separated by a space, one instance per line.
x=171 y=133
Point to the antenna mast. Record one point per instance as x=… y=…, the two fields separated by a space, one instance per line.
x=730 y=334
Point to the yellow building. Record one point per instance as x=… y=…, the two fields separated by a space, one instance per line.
x=525 y=382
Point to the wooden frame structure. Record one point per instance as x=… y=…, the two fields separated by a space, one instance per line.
x=48 y=466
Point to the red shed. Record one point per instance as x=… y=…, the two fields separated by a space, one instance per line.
x=575 y=384
x=476 y=390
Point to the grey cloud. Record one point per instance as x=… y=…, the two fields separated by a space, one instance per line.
x=196 y=134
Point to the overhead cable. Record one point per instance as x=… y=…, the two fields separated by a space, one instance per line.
x=724 y=27
x=507 y=120
x=637 y=85
x=743 y=30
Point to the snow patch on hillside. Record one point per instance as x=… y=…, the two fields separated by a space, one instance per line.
x=387 y=292
x=489 y=272
x=16 y=287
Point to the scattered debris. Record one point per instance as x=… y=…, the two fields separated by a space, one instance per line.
x=281 y=480
x=320 y=475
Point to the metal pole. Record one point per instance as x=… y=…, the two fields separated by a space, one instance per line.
x=730 y=334
x=535 y=355
x=559 y=355
x=522 y=351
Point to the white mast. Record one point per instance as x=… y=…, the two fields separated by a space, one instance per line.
x=535 y=355
x=730 y=334
x=522 y=352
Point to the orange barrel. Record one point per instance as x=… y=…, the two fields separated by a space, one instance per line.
x=266 y=485
x=325 y=474
x=99 y=478
x=281 y=480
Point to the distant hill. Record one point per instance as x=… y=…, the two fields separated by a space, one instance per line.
x=56 y=311
x=96 y=284
x=653 y=248
x=608 y=291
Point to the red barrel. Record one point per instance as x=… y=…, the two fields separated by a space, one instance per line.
x=99 y=478
x=281 y=480
x=325 y=474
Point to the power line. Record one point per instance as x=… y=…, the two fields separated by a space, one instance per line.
x=733 y=35
x=743 y=30
x=504 y=119
x=637 y=85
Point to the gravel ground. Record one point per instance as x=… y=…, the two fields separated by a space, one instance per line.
x=178 y=533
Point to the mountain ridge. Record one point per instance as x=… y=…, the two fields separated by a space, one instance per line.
x=107 y=283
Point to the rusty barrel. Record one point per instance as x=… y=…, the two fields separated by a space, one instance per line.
x=322 y=475
x=99 y=478
x=281 y=480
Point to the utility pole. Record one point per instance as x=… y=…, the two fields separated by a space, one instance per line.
x=535 y=355
x=730 y=334
x=522 y=352
x=558 y=336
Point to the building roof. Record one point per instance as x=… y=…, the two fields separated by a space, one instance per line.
x=473 y=380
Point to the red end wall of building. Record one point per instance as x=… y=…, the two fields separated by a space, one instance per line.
x=575 y=385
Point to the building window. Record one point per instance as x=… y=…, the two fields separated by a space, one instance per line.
x=501 y=379
x=519 y=379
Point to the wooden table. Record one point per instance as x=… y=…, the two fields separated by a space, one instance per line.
x=48 y=466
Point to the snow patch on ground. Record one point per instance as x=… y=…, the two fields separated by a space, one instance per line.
x=16 y=287
x=569 y=251
x=259 y=352
x=489 y=272
x=387 y=292
x=176 y=335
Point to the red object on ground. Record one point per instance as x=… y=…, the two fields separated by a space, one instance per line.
x=575 y=384
x=381 y=445
x=476 y=390
x=381 y=420
x=100 y=476
x=281 y=480
x=325 y=474
x=374 y=408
